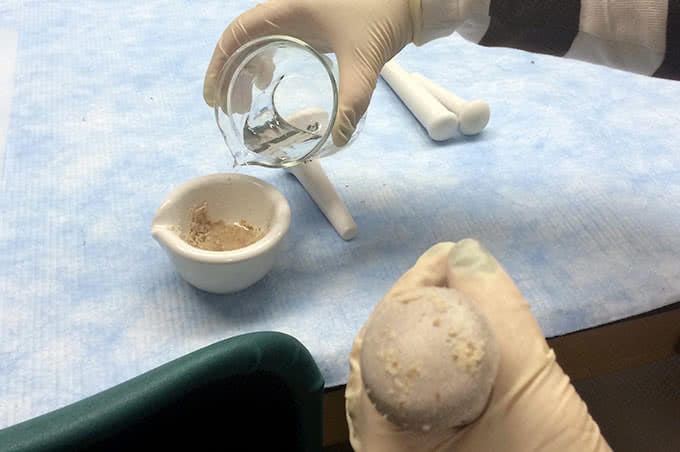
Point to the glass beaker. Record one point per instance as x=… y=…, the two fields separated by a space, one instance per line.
x=276 y=103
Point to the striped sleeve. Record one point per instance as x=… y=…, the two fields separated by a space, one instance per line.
x=641 y=36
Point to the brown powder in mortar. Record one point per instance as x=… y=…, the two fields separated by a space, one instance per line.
x=216 y=235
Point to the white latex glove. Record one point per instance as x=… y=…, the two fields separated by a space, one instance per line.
x=532 y=406
x=363 y=34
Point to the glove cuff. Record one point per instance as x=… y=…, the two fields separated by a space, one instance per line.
x=434 y=19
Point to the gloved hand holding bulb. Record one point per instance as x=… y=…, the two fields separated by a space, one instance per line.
x=456 y=352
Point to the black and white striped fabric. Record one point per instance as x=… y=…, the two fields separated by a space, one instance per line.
x=640 y=36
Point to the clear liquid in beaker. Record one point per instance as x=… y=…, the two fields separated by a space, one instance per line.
x=284 y=139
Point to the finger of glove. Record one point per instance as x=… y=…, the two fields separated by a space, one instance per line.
x=430 y=270
x=359 y=69
x=241 y=97
x=473 y=271
x=265 y=70
x=260 y=21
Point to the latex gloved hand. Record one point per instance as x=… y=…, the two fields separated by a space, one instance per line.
x=532 y=405
x=363 y=34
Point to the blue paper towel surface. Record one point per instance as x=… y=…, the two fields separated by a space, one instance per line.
x=574 y=186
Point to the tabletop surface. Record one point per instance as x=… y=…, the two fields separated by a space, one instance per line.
x=574 y=186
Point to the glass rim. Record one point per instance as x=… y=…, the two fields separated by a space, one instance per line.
x=240 y=58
